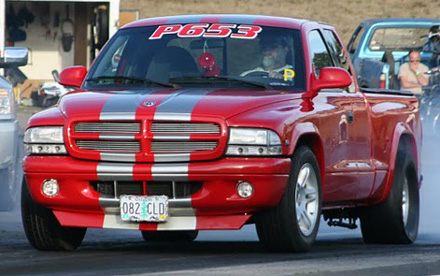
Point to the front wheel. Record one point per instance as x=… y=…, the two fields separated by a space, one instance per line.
x=43 y=230
x=396 y=220
x=292 y=226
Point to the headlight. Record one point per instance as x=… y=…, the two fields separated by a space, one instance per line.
x=44 y=135
x=44 y=140
x=253 y=141
x=6 y=102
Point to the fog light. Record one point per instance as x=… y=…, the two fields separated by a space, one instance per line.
x=50 y=187
x=245 y=189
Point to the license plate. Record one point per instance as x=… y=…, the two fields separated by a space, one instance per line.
x=144 y=208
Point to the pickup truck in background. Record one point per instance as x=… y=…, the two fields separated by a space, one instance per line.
x=9 y=142
x=378 y=47
x=206 y=122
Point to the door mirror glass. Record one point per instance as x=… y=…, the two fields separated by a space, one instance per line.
x=14 y=57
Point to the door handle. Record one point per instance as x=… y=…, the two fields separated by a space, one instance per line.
x=350 y=116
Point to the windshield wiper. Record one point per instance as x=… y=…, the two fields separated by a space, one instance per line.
x=131 y=80
x=202 y=79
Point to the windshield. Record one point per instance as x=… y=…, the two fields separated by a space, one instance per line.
x=401 y=38
x=204 y=54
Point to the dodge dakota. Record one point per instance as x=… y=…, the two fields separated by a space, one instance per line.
x=204 y=122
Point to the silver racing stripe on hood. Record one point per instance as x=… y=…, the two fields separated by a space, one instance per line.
x=123 y=105
x=179 y=106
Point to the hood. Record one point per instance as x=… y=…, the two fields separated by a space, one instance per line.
x=168 y=104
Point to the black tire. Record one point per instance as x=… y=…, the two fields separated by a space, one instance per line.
x=384 y=222
x=170 y=236
x=43 y=230
x=279 y=228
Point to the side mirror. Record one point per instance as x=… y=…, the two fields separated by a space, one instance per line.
x=14 y=57
x=73 y=76
x=331 y=77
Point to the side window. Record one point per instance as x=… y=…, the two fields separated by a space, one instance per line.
x=318 y=52
x=336 y=50
x=354 y=41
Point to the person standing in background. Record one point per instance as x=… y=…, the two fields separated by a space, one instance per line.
x=411 y=74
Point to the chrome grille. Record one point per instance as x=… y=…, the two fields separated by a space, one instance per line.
x=185 y=128
x=161 y=146
x=108 y=127
x=122 y=141
x=113 y=146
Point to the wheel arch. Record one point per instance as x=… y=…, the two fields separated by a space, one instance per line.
x=403 y=141
x=307 y=134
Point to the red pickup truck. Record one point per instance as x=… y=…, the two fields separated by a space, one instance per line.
x=205 y=122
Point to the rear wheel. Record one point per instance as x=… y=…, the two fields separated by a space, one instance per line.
x=293 y=224
x=396 y=220
x=43 y=230
x=170 y=236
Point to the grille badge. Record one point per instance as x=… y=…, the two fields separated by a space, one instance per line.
x=149 y=104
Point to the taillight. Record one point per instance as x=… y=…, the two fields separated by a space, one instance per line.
x=382 y=81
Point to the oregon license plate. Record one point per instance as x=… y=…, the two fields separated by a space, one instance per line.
x=144 y=208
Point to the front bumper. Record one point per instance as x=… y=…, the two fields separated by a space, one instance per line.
x=9 y=142
x=216 y=205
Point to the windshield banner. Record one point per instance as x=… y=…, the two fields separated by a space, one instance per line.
x=216 y=30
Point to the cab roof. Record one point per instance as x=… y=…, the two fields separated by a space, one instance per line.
x=262 y=20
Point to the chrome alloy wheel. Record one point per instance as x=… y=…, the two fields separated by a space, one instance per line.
x=306 y=199
x=405 y=201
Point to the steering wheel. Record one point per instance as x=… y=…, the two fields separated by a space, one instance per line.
x=257 y=74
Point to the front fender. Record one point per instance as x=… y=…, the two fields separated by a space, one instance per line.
x=307 y=133
x=301 y=129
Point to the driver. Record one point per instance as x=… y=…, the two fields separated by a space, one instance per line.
x=274 y=51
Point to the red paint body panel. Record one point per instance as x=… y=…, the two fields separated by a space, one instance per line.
x=221 y=222
x=74 y=219
x=217 y=196
x=354 y=136
x=231 y=222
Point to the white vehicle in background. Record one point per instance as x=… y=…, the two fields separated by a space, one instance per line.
x=50 y=92
x=9 y=142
